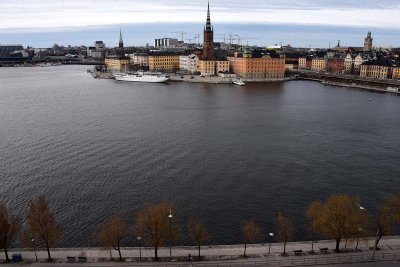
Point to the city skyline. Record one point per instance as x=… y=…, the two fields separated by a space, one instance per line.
x=261 y=23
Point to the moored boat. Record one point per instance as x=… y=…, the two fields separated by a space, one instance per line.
x=238 y=82
x=141 y=77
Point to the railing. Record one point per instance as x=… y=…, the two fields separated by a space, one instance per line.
x=282 y=261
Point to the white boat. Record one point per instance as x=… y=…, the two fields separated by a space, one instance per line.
x=141 y=77
x=238 y=82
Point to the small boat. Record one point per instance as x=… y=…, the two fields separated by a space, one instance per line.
x=238 y=82
x=142 y=77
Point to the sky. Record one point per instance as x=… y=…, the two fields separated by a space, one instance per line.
x=76 y=21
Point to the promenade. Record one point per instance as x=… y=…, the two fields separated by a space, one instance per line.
x=222 y=254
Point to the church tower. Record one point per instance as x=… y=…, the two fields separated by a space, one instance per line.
x=368 y=43
x=120 y=45
x=208 y=43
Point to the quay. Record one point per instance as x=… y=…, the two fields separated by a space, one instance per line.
x=267 y=253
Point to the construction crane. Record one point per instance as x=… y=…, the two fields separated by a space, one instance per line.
x=181 y=33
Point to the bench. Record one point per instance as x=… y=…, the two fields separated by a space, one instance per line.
x=298 y=252
x=71 y=258
x=323 y=250
x=82 y=258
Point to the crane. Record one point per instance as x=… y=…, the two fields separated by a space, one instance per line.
x=181 y=33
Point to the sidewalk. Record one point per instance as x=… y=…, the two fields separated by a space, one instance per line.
x=212 y=253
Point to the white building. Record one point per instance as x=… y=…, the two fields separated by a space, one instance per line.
x=166 y=42
x=189 y=63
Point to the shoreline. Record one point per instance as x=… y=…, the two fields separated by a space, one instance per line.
x=211 y=252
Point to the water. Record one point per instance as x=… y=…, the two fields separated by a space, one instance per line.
x=221 y=153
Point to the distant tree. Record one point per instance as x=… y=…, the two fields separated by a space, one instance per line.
x=10 y=228
x=251 y=232
x=42 y=224
x=284 y=229
x=111 y=233
x=339 y=217
x=152 y=222
x=388 y=216
x=198 y=233
x=312 y=212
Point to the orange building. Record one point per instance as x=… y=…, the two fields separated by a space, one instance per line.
x=250 y=67
x=396 y=73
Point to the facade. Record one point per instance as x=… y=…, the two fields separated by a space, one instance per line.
x=358 y=61
x=99 y=51
x=348 y=64
x=189 y=63
x=140 y=59
x=368 y=43
x=117 y=63
x=318 y=64
x=166 y=42
x=291 y=64
x=264 y=67
x=396 y=73
x=208 y=43
x=335 y=65
x=305 y=63
x=221 y=66
x=164 y=63
x=376 y=69
x=206 y=67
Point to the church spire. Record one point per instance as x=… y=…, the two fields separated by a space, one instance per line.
x=121 y=42
x=208 y=24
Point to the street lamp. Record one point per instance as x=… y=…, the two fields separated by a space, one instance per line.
x=170 y=232
x=34 y=248
x=139 y=239
x=271 y=235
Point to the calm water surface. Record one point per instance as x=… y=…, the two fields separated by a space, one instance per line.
x=221 y=153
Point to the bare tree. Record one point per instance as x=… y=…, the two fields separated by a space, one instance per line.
x=284 y=229
x=198 y=232
x=251 y=232
x=42 y=224
x=112 y=232
x=388 y=216
x=152 y=223
x=10 y=228
x=338 y=217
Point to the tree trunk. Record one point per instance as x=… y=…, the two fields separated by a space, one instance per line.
x=156 y=253
x=245 y=250
x=284 y=248
x=119 y=252
x=6 y=252
x=337 y=244
x=312 y=245
x=199 y=252
x=48 y=253
x=379 y=238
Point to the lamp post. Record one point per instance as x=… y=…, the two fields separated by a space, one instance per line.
x=170 y=232
x=34 y=248
x=271 y=235
x=139 y=239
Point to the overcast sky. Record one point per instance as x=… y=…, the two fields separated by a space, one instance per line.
x=41 y=13
x=29 y=16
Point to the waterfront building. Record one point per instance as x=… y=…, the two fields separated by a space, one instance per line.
x=166 y=42
x=318 y=64
x=305 y=63
x=99 y=51
x=348 y=64
x=396 y=73
x=335 y=65
x=117 y=63
x=164 y=63
x=14 y=54
x=291 y=64
x=378 y=69
x=140 y=59
x=259 y=67
x=358 y=61
x=189 y=63
x=368 y=43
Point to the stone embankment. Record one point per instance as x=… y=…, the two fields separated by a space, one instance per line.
x=218 y=252
x=101 y=74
